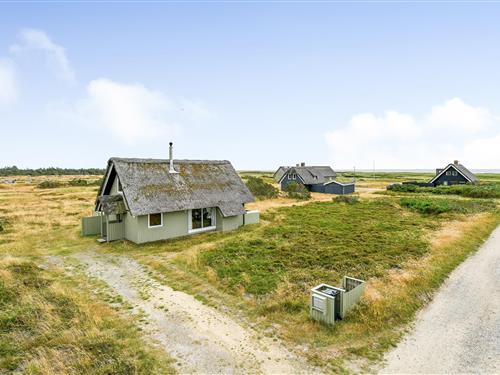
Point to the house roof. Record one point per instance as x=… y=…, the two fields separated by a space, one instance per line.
x=148 y=186
x=468 y=175
x=312 y=174
x=339 y=183
x=279 y=173
x=112 y=204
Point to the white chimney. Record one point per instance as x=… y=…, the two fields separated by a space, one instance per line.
x=171 y=156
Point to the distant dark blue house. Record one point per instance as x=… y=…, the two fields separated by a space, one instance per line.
x=453 y=174
x=317 y=179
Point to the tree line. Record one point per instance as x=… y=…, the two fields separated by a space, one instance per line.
x=51 y=171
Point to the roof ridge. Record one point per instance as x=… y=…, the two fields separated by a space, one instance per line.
x=181 y=161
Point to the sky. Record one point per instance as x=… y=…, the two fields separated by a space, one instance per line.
x=396 y=85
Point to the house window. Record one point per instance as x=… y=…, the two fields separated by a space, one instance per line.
x=448 y=173
x=289 y=176
x=294 y=176
x=202 y=219
x=155 y=220
x=454 y=173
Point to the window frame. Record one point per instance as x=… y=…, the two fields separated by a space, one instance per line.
x=155 y=226
x=202 y=229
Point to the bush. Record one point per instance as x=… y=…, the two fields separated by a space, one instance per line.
x=349 y=199
x=49 y=184
x=96 y=182
x=261 y=189
x=426 y=206
x=470 y=191
x=406 y=188
x=78 y=182
x=436 y=206
x=297 y=191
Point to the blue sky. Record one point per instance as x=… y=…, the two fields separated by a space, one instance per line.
x=265 y=84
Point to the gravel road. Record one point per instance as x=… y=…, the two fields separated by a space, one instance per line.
x=459 y=331
x=200 y=339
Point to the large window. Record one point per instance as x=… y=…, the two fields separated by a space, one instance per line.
x=202 y=218
x=155 y=220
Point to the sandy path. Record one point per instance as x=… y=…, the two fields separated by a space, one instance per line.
x=459 y=331
x=201 y=339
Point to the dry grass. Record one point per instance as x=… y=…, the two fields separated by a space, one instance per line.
x=46 y=222
x=50 y=322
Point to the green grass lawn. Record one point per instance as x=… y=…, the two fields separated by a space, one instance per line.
x=320 y=242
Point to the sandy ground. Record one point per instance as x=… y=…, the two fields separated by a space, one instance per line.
x=459 y=331
x=199 y=338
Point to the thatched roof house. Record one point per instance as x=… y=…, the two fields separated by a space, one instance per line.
x=164 y=198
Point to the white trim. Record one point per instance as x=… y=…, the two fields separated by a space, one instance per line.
x=445 y=169
x=155 y=226
x=118 y=184
x=339 y=183
x=201 y=230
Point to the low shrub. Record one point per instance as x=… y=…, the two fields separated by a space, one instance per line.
x=261 y=189
x=436 y=206
x=49 y=184
x=78 y=182
x=297 y=191
x=400 y=188
x=349 y=199
x=95 y=182
x=470 y=191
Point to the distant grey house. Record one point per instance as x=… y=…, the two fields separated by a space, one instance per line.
x=145 y=200
x=453 y=174
x=318 y=179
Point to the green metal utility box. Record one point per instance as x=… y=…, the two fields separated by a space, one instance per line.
x=329 y=303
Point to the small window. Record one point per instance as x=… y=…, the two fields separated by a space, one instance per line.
x=448 y=173
x=454 y=173
x=155 y=220
x=294 y=176
x=290 y=176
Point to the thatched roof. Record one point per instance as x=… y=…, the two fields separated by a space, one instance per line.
x=112 y=204
x=148 y=187
x=312 y=174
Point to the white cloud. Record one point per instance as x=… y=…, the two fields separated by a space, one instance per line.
x=38 y=40
x=132 y=113
x=453 y=130
x=8 y=86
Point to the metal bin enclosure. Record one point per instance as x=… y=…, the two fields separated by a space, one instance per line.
x=329 y=303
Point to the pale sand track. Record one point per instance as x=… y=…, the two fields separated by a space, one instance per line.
x=459 y=331
x=200 y=338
